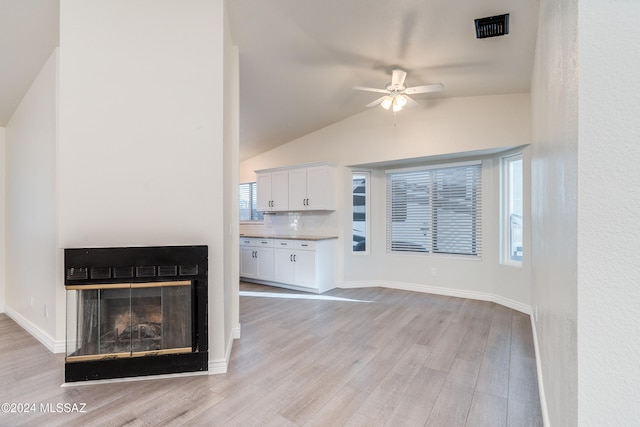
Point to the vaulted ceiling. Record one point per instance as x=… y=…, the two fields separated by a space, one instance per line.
x=299 y=60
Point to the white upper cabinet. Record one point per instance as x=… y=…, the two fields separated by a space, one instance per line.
x=308 y=187
x=273 y=193
x=312 y=188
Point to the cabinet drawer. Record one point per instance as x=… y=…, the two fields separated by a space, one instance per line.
x=284 y=244
x=256 y=242
x=264 y=243
x=305 y=245
x=247 y=241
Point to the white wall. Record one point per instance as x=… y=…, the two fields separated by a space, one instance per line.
x=608 y=205
x=141 y=131
x=436 y=129
x=554 y=96
x=34 y=290
x=3 y=272
x=585 y=203
x=230 y=167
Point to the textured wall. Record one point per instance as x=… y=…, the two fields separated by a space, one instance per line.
x=608 y=219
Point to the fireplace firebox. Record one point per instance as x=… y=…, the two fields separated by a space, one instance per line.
x=135 y=311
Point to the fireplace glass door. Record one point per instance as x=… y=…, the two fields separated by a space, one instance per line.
x=128 y=320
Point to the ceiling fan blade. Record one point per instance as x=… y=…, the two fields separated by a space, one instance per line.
x=371 y=89
x=376 y=102
x=436 y=87
x=410 y=101
x=397 y=77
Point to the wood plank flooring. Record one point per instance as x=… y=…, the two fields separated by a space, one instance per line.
x=390 y=358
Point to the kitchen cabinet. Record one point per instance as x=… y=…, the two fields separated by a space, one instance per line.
x=295 y=262
x=312 y=188
x=272 y=191
x=256 y=258
x=307 y=265
x=296 y=188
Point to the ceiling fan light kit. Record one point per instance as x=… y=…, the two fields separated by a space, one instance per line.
x=396 y=94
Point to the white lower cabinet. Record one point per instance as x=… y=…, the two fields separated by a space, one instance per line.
x=256 y=258
x=300 y=264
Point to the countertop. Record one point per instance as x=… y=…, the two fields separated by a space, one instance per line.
x=287 y=237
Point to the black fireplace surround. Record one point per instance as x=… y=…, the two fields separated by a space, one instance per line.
x=135 y=311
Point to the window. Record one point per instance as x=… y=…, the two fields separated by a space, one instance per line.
x=435 y=210
x=248 y=203
x=512 y=207
x=360 y=211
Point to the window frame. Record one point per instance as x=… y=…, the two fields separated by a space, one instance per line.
x=367 y=211
x=252 y=208
x=505 y=209
x=434 y=208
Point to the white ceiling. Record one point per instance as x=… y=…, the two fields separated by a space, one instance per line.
x=299 y=59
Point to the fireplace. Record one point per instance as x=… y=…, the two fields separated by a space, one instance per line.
x=135 y=311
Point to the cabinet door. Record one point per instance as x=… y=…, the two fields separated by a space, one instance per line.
x=263 y=189
x=280 y=191
x=264 y=261
x=297 y=189
x=305 y=262
x=248 y=264
x=284 y=266
x=320 y=188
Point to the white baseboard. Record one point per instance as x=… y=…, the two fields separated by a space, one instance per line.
x=543 y=397
x=47 y=340
x=482 y=296
x=220 y=366
x=1 y=308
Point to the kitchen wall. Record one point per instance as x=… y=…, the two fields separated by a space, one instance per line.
x=434 y=132
x=34 y=291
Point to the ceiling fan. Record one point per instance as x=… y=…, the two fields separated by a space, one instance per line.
x=396 y=94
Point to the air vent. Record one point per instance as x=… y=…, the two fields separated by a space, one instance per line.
x=188 y=270
x=146 y=271
x=77 y=273
x=100 y=273
x=492 y=26
x=167 y=270
x=122 y=272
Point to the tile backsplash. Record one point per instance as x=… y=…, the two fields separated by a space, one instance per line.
x=317 y=223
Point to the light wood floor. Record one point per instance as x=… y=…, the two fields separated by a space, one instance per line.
x=401 y=359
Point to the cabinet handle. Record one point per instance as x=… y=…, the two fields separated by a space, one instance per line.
x=291 y=258
x=294 y=258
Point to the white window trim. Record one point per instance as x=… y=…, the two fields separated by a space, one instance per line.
x=367 y=212
x=505 y=244
x=249 y=221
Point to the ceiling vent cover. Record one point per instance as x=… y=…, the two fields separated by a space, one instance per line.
x=492 y=26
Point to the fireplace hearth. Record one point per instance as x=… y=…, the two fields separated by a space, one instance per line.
x=135 y=311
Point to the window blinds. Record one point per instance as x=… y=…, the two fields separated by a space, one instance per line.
x=435 y=210
x=248 y=202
